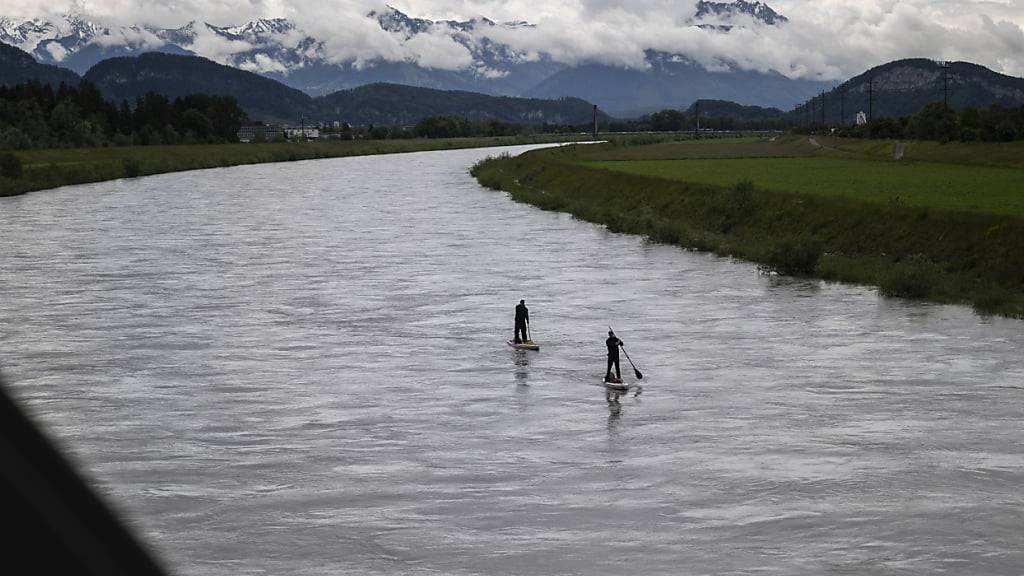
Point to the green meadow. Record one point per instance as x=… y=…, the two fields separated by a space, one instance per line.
x=945 y=223
x=964 y=187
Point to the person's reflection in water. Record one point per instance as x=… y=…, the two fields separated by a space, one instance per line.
x=614 y=410
x=522 y=372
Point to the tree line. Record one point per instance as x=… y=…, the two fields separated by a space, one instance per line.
x=940 y=123
x=35 y=115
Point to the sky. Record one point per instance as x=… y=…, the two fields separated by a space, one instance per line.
x=824 y=39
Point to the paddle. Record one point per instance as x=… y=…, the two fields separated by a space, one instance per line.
x=639 y=375
x=636 y=370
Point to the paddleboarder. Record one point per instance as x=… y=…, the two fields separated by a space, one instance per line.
x=613 y=344
x=522 y=319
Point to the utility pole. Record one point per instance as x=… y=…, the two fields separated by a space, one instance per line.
x=945 y=84
x=302 y=128
x=595 y=121
x=823 y=109
x=871 y=100
x=696 y=120
x=842 y=107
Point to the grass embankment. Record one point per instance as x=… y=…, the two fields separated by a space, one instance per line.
x=50 y=168
x=941 y=231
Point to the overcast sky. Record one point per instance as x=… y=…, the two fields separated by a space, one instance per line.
x=830 y=39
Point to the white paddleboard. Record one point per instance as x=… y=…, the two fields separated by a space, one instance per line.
x=528 y=345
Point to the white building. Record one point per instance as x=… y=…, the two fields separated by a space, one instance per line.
x=302 y=133
x=264 y=133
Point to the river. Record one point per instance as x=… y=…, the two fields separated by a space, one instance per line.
x=301 y=368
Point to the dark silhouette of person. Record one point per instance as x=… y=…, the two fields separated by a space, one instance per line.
x=613 y=344
x=522 y=319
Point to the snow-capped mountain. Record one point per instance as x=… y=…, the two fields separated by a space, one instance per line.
x=727 y=13
x=50 y=42
x=279 y=49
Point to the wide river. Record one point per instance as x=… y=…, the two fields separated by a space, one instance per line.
x=298 y=369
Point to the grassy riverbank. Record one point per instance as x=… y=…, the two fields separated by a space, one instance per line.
x=50 y=168
x=948 y=227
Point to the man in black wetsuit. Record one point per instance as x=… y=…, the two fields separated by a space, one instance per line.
x=522 y=319
x=613 y=344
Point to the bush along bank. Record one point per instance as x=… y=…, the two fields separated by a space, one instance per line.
x=943 y=256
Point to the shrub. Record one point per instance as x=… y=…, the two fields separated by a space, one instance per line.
x=914 y=277
x=794 y=257
x=991 y=300
x=132 y=169
x=10 y=165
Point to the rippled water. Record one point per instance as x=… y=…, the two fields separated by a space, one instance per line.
x=301 y=369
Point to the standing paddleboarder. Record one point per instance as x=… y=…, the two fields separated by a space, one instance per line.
x=613 y=344
x=522 y=319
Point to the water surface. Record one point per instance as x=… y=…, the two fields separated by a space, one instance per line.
x=300 y=369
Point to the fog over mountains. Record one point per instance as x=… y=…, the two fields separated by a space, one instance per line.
x=628 y=57
x=473 y=54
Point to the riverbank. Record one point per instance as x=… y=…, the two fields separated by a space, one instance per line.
x=51 y=168
x=942 y=231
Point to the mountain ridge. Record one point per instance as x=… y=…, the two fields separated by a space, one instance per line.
x=902 y=87
x=278 y=49
x=268 y=100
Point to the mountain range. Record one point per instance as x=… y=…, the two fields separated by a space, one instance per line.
x=125 y=78
x=278 y=49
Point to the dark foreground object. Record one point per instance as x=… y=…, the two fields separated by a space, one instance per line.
x=53 y=522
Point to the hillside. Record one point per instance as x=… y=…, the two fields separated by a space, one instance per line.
x=174 y=75
x=271 y=101
x=903 y=87
x=17 y=66
x=391 y=104
x=726 y=109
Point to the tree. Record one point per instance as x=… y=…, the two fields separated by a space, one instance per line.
x=197 y=123
x=668 y=121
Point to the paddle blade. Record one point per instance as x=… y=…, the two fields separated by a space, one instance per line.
x=639 y=376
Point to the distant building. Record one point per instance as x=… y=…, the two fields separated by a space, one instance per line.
x=266 y=133
x=862 y=118
x=302 y=133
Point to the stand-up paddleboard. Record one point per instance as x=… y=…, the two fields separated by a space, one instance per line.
x=528 y=345
x=615 y=384
x=616 y=388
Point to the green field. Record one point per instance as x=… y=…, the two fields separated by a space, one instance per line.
x=945 y=223
x=50 y=168
x=925 y=184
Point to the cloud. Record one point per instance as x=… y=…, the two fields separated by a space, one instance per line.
x=133 y=36
x=827 y=39
x=263 y=63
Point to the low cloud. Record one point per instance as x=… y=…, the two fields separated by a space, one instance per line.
x=826 y=39
x=262 y=63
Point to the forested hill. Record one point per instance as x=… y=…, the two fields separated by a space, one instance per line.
x=727 y=109
x=17 y=66
x=127 y=78
x=271 y=101
x=903 y=87
x=396 y=104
